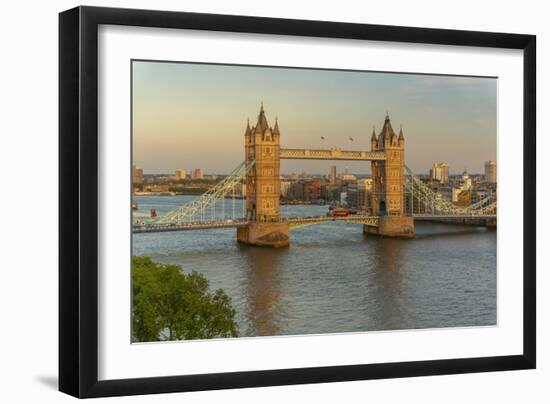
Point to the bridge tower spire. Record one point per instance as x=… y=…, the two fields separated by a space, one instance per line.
x=263 y=186
x=388 y=184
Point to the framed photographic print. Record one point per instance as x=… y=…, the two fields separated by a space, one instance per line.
x=250 y=201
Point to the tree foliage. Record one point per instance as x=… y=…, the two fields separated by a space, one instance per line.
x=171 y=305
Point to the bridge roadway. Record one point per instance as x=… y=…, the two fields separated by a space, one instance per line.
x=294 y=222
x=471 y=220
x=429 y=216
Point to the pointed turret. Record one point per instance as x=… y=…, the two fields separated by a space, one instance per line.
x=393 y=135
x=387 y=129
x=247 y=133
x=276 y=127
x=401 y=137
x=385 y=136
x=248 y=141
x=373 y=140
x=262 y=124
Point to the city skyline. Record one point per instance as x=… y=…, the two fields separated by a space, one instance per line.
x=344 y=171
x=185 y=113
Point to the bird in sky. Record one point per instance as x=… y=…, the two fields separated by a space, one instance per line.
x=322 y=138
x=350 y=138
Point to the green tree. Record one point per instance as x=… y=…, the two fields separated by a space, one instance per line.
x=170 y=305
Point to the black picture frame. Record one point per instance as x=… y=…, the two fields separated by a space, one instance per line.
x=78 y=200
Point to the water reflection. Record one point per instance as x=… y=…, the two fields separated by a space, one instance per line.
x=387 y=269
x=262 y=284
x=434 y=230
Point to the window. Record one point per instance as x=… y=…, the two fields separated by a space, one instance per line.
x=268 y=189
x=268 y=171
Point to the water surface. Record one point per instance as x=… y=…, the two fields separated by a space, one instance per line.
x=333 y=278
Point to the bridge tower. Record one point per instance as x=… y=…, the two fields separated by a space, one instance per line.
x=263 y=186
x=388 y=184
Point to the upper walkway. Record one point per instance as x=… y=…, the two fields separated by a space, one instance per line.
x=331 y=154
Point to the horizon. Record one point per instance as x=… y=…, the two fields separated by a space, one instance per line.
x=314 y=174
x=188 y=172
x=176 y=105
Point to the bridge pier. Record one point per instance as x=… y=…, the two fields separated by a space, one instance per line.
x=264 y=234
x=392 y=226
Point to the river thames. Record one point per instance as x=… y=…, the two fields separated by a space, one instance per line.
x=333 y=278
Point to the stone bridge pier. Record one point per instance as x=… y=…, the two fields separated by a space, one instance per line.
x=392 y=226
x=265 y=234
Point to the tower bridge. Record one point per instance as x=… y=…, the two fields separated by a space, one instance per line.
x=261 y=223
x=262 y=145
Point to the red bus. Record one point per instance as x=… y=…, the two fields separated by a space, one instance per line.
x=339 y=212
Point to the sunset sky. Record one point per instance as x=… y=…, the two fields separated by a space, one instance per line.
x=194 y=115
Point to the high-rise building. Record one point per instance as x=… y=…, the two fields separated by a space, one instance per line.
x=197 y=174
x=180 y=174
x=285 y=187
x=352 y=194
x=440 y=172
x=296 y=190
x=332 y=175
x=137 y=175
x=364 y=194
x=491 y=171
x=343 y=198
x=312 y=189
